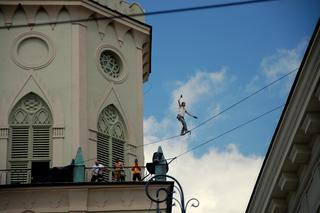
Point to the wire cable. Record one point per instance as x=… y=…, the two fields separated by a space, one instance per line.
x=170 y=11
x=245 y=98
x=230 y=130
x=223 y=111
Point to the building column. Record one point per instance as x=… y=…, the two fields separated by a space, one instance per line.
x=79 y=89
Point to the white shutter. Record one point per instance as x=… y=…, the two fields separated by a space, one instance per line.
x=19 y=142
x=103 y=151
x=41 y=142
x=117 y=150
x=19 y=172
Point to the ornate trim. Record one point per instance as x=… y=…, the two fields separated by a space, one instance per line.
x=4 y=133
x=27 y=35
x=58 y=132
x=123 y=76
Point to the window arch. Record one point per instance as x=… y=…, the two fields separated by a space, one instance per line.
x=111 y=137
x=30 y=139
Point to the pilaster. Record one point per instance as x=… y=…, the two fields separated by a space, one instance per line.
x=79 y=89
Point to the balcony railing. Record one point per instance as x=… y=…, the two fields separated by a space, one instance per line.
x=62 y=174
x=110 y=174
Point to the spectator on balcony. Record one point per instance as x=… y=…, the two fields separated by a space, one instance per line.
x=118 y=170
x=97 y=172
x=136 y=171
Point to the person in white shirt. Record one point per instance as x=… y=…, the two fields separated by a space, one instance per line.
x=180 y=116
x=97 y=171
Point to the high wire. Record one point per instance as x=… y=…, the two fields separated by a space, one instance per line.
x=224 y=133
x=223 y=111
x=152 y=13
x=228 y=131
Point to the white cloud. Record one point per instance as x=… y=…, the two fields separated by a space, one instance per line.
x=222 y=180
x=278 y=64
x=198 y=86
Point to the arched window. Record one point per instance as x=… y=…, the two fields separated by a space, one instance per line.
x=111 y=137
x=30 y=140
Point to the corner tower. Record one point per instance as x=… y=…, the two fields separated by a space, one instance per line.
x=78 y=68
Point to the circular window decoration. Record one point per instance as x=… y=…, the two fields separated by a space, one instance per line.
x=32 y=50
x=111 y=64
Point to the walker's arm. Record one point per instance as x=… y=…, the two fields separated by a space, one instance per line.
x=179 y=101
x=191 y=115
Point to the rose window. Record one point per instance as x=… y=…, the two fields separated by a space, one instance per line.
x=110 y=64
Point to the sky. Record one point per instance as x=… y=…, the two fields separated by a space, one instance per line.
x=215 y=58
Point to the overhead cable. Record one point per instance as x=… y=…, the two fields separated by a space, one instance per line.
x=223 y=111
x=152 y=13
x=228 y=131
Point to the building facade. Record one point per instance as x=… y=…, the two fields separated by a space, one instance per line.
x=71 y=75
x=289 y=180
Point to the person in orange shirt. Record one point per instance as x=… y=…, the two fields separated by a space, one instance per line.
x=136 y=171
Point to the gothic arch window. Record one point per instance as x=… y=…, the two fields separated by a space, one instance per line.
x=111 y=138
x=30 y=139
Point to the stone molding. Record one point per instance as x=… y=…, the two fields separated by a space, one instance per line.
x=126 y=197
x=18 y=42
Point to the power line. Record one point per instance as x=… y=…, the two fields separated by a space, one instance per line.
x=245 y=98
x=223 y=111
x=231 y=130
x=224 y=133
x=152 y=13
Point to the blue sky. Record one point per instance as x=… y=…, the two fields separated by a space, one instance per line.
x=234 y=39
x=214 y=58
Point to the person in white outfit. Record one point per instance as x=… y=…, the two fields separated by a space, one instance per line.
x=180 y=116
x=97 y=171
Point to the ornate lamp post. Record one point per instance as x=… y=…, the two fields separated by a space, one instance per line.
x=169 y=194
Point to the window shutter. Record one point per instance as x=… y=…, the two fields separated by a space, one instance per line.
x=30 y=136
x=111 y=136
x=41 y=142
x=19 y=172
x=19 y=144
x=117 y=150
x=103 y=151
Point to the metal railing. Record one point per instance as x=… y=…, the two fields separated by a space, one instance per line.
x=24 y=176
x=110 y=174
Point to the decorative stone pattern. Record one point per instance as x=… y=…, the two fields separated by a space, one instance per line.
x=32 y=50
x=110 y=64
x=110 y=122
x=31 y=109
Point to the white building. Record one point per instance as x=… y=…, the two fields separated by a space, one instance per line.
x=69 y=84
x=289 y=180
x=71 y=76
